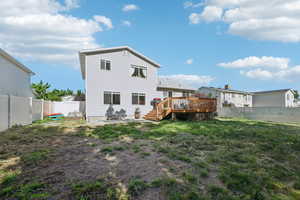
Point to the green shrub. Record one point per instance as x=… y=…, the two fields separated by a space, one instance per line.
x=136 y=186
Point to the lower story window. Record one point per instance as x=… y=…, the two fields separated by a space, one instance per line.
x=138 y=99
x=113 y=98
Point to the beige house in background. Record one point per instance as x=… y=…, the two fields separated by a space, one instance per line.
x=227 y=97
x=274 y=98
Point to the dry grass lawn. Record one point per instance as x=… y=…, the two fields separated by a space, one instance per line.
x=224 y=159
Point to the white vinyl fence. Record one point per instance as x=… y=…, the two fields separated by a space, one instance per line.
x=69 y=108
x=37 y=109
x=274 y=114
x=24 y=110
x=4 y=117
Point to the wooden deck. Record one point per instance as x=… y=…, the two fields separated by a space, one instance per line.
x=182 y=105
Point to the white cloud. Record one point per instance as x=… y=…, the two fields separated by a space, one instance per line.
x=130 y=7
x=126 y=23
x=194 y=80
x=189 y=4
x=258 y=74
x=265 y=68
x=41 y=30
x=276 y=20
x=189 y=61
x=270 y=62
x=70 y=4
x=104 y=20
x=209 y=14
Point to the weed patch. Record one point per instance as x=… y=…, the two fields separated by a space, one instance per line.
x=34 y=158
x=94 y=190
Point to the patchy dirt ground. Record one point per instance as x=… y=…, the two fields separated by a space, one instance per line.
x=70 y=160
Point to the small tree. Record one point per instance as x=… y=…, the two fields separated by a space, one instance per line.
x=80 y=96
x=41 y=89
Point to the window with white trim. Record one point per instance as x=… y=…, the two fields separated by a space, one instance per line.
x=138 y=99
x=139 y=71
x=112 y=98
x=105 y=65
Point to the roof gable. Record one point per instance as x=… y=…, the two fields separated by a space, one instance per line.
x=14 y=61
x=83 y=53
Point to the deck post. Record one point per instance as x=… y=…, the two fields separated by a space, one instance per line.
x=157 y=111
x=173 y=116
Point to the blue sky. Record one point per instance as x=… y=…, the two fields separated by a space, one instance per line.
x=210 y=42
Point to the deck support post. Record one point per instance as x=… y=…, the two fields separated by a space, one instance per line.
x=174 y=116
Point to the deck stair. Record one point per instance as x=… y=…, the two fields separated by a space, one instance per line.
x=181 y=105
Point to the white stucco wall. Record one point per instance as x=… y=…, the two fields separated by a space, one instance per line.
x=118 y=79
x=275 y=114
x=4 y=109
x=68 y=108
x=13 y=80
x=273 y=99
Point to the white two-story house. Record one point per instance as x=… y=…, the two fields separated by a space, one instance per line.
x=125 y=79
x=119 y=76
x=228 y=97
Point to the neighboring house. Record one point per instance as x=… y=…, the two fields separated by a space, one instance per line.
x=228 y=97
x=297 y=103
x=118 y=76
x=274 y=98
x=170 y=88
x=15 y=78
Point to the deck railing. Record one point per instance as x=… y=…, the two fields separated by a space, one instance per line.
x=193 y=104
x=185 y=104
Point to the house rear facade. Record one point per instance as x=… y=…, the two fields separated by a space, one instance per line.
x=274 y=98
x=121 y=77
x=15 y=78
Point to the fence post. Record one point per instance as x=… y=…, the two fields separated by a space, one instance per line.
x=30 y=109
x=9 y=111
x=42 y=112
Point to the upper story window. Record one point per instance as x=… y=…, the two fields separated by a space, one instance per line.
x=139 y=71
x=105 y=65
x=112 y=98
x=288 y=97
